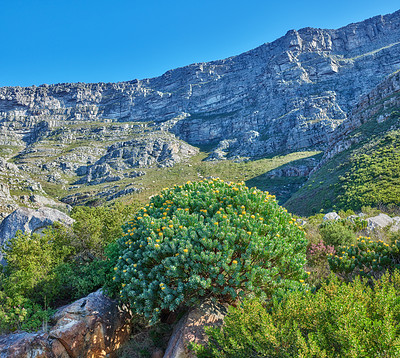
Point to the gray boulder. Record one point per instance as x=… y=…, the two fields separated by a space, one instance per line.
x=30 y=220
x=379 y=222
x=396 y=224
x=331 y=216
x=190 y=328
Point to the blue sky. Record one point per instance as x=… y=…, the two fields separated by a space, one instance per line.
x=56 y=41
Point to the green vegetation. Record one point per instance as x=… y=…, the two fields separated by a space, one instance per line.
x=204 y=239
x=374 y=176
x=367 y=257
x=336 y=233
x=252 y=172
x=46 y=271
x=339 y=320
x=366 y=174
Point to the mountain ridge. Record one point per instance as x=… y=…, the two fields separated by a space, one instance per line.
x=285 y=96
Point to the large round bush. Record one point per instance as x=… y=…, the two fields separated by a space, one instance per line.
x=208 y=238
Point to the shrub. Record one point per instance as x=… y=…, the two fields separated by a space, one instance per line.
x=337 y=233
x=339 y=320
x=207 y=238
x=366 y=257
x=317 y=258
x=57 y=267
x=20 y=313
x=30 y=261
x=95 y=227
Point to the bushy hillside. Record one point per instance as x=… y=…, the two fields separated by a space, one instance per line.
x=366 y=174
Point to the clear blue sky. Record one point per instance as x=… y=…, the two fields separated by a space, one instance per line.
x=53 y=41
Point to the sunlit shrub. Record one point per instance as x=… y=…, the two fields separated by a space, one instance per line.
x=207 y=238
x=366 y=257
x=339 y=320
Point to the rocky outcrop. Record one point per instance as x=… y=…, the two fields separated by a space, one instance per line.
x=93 y=326
x=379 y=105
x=161 y=150
x=381 y=221
x=331 y=216
x=190 y=328
x=291 y=93
x=30 y=221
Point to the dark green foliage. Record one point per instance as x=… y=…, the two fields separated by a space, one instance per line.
x=207 y=238
x=339 y=320
x=96 y=227
x=337 y=233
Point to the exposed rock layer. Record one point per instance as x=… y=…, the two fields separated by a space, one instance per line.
x=291 y=93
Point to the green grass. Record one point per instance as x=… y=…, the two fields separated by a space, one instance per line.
x=250 y=171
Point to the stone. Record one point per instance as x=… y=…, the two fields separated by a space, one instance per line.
x=379 y=222
x=158 y=353
x=26 y=345
x=331 y=216
x=190 y=328
x=395 y=224
x=94 y=326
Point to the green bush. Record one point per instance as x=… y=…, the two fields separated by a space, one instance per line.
x=30 y=261
x=337 y=233
x=57 y=267
x=339 y=320
x=207 y=238
x=366 y=257
x=20 y=313
x=96 y=227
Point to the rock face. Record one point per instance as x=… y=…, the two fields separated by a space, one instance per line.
x=93 y=326
x=191 y=328
x=282 y=96
x=292 y=94
x=378 y=105
x=380 y=221
x=30 y=220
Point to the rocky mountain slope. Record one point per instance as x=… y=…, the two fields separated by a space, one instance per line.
x=80 y=141
x=362 y=164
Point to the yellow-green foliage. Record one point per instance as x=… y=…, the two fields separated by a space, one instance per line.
x=339 y=320
x=374 y=177
x=58 y=266
x=207 y=238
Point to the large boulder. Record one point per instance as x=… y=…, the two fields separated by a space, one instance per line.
x=396 y=224
x=379 y=222
x=190 y=328
x=94 y=326
x=30 y=220
x=331 y=216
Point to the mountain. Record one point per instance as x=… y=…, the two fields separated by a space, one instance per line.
x=83 y=142
x=361 y=167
